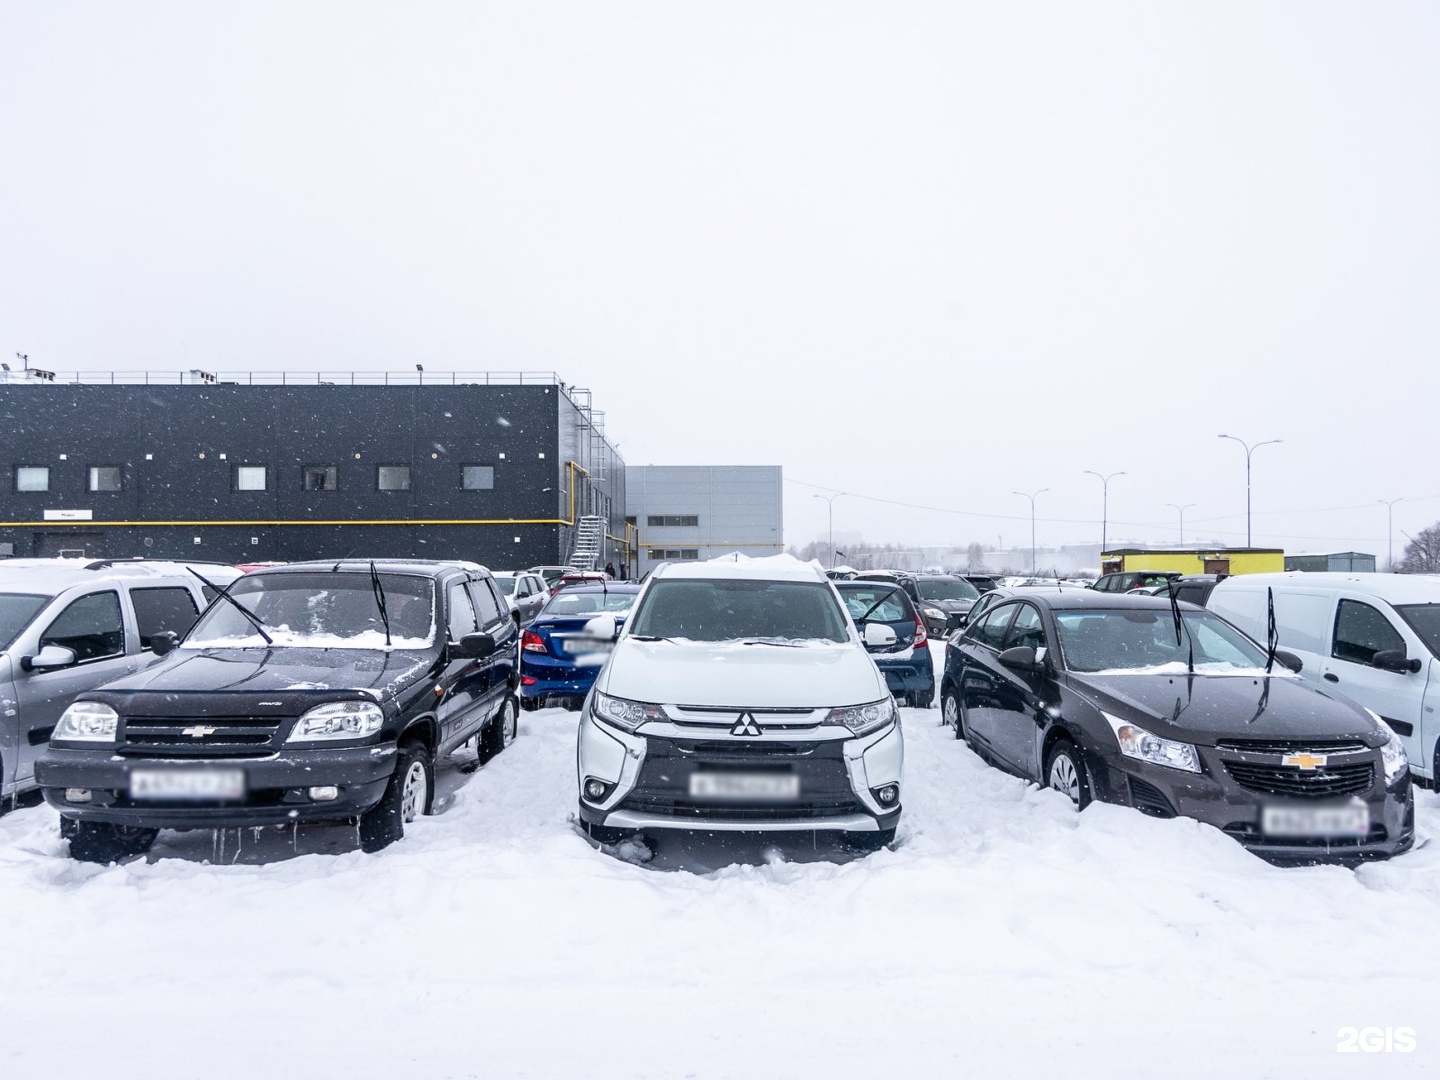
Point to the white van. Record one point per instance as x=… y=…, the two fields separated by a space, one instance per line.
x=1373 y=637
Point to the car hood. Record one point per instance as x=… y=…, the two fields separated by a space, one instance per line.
x=1204 y=708
x=947 y=605
x=814 y=675
x=377 y=673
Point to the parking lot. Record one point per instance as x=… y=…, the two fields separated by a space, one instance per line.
x=1002 y=934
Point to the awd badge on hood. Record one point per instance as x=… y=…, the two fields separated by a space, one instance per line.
x=746 y=727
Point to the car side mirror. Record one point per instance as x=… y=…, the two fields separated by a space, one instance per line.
x=878 y=636
x=164 y=642
x=1289 y=660
x=51 y=656
x=1396 y=661
x=602 y=628
x=1022 y=658
x=472 y=647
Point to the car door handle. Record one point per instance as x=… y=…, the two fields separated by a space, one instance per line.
x=1330 y=676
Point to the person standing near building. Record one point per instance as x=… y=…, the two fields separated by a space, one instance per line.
x=610 y=569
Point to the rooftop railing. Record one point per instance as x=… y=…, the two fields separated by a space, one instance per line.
x=198 y=377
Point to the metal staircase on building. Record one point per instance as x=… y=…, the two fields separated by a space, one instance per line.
x=589 y=535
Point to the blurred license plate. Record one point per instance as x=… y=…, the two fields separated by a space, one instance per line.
x=187 y=784
x=1315 y=820
x=777 y=786
x=583 y=646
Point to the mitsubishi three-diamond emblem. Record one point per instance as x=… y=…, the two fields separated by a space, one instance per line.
x=746 y=727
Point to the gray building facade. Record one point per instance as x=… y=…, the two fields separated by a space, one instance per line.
x=689 y=512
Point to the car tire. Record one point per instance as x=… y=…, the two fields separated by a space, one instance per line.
x=923 y=699
x=408 y=795
x=530 y=704
x=952 y=714
x=1065 y=772
x=104 y=842
x=500 y=732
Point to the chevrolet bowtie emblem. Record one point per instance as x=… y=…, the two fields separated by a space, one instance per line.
x=199 y=731
x=746 y=727
x=1308 y=762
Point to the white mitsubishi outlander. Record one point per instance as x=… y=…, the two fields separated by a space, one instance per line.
x=740 y=697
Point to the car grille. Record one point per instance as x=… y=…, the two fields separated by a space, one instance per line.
x=232 y=735
x=1149 y=799
x=1290 y=746
x=1319 y=783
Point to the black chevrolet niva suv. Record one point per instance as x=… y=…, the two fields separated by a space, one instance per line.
x=320 y=691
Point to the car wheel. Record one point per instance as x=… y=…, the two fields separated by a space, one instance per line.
x=500 y=732
x=950 y=713
x=923 y=699
x=103 y=842
x=407 y=797
x=1065 y=772
x=530 y=704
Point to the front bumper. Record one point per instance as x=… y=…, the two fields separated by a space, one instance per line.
x=1217 y=798
x=648 y=780
x=276 y=787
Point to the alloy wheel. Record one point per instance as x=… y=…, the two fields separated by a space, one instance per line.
x=412 y=796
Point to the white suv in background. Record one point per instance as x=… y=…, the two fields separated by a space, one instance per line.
x=740 y=697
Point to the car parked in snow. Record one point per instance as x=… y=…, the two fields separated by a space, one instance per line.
x=740 y=698
x=558 y=658
x=906 y=665
x=526 y=593
x=67 y=626
x=942 y=600
x=319 y=691
x=1170 y=709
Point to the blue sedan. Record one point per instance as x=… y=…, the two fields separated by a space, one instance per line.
x=558 y=662
x=906 y=665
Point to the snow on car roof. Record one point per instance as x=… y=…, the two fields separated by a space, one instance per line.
x=1396 y=588
x=736 y=565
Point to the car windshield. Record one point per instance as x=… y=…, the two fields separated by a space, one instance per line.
x=946 y=590
x=16 y=611
x=590 y=602
x=1144 y=640
x=1424 y=619
x=740 y=609
x=321 y=610
x=875 y=604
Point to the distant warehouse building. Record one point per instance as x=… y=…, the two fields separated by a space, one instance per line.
x=687 y=512
x=1344 y=562
x=1194 y=560
x=495 y=468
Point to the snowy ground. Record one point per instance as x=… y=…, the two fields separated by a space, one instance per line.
x=1005 y=935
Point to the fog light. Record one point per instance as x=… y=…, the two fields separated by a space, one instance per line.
x=77 y=794
x=888 y=794
x=325 y=794
x=595 y=789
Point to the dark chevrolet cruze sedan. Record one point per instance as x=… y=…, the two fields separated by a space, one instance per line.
x=307 y=692
x=1171 y=710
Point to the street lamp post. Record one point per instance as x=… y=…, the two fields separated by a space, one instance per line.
x=1104 y=505
x=1182 y=510
x=830 y=508
x=1031 y=497
x=1390 y=532
x=1249 y=449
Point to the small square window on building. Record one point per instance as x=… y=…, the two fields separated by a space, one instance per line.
x=392 y=477
x=478 y=477
x=250 y=478
x=319 y=478
x=32 y=477
x=679 y=521
x=105 y=478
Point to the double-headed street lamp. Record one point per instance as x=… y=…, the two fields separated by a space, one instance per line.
x=1249 y=449
x=1390 y=532
x=830 y=507
x=1031 y=497
x=1104 y=505
x=1182 y=510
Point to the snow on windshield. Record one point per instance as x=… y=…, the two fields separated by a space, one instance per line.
x=321 y=610
x=1143 y=641
x=729 y=609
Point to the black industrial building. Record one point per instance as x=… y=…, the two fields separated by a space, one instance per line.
x=497 y=469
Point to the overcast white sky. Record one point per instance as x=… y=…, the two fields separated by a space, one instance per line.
x=929 y=253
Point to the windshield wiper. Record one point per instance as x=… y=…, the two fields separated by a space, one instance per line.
x=379 y=591
x=225 y=594
x=1272 y=633
x=650 y=637
x=772 y=641
x=1179 y=622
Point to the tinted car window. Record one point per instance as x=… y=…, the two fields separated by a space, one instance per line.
x=590 y=602
x=729 y=610
x=92 y=626
x=320 y=609
x=462 y=612
x=1027 y=629
x=1361 y=631
x=1424 y=619
x=16 y=611
x=879 y=605
x=990 y=630
x=1130 y=640
x=162 y=609
x=488 y=604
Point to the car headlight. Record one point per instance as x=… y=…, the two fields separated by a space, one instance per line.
x=87 y=721
x=623 y=713
x=932 y=613
x=337 y=720
x=1392 y=754
x=863 y=719
x=1135 y=742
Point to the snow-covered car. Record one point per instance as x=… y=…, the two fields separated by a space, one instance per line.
x=307 y=692
x=740 y=697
